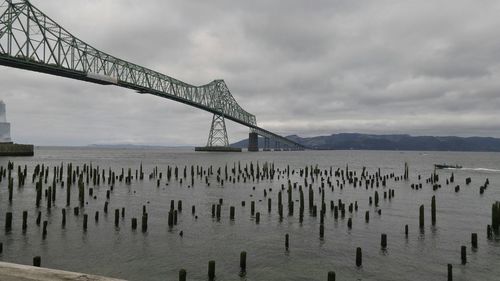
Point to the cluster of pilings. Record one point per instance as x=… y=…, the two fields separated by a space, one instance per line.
x=65 y=178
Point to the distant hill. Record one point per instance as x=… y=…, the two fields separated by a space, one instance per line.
x=348 y=141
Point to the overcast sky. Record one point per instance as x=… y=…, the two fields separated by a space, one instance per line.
x=302 y=67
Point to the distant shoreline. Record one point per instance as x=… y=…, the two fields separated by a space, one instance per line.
x=355 y=141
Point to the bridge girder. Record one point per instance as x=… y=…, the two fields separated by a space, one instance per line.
x=31 y=40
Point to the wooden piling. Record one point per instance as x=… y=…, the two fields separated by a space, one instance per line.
x=63 y=218
x=211 y=270
x=117 y=217
x=85 y=219
x=231 y=212
x=433 y=210
x=331 y=276
x=450 y=272
x=463 y=254
x=243 y=263
x=182 y=275
x=474 y=240
x=421 y=217
x=37 y=261
x=134 y=223
x=8 y=221
x=383 y=241
x=44 y=231
x=25 y=220
x=144 y=222
x=287 y=242
x=359 y=257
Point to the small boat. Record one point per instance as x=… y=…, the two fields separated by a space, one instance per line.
x=446 y=166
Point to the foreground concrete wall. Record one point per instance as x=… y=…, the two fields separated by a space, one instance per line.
x=17 y=272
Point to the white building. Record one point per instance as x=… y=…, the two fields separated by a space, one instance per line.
x=4 y=125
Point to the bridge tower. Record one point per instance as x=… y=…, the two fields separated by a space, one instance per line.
x=217 y=137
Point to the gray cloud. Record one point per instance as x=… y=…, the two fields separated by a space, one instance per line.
x=302 y=67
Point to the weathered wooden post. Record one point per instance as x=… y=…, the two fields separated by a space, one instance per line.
x=331 y=276
x=134 y=223
x=85 y=218
x=44 y=231
x=383 y=241
x=450 y=272
x=37 y=261
x=421 y=217
x=144 y=222
x=287 y=244
x=257 y=218
x=182 y=275
x=8 y=221
x=25 y=220
x=464 y=254
x=243 y=263
x=218 y=212
x=39 y=218
x=63 y=218
x=117 y=217
x=211 y=270
x=358 y=257
x=474 y=240
x=433 y=210
x=231 y=212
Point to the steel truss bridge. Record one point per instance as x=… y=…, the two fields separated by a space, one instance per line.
x=30 y=40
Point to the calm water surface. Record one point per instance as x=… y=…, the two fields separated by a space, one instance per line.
x=159 y=253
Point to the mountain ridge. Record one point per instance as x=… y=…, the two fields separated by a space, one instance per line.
x=358 y=141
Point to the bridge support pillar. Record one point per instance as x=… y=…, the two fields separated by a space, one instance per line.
x=253 y=142
x=277 y=146
x=217 y=138
x=266 y=144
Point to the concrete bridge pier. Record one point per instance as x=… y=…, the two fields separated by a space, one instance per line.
x=253 y=142
x=266 y=144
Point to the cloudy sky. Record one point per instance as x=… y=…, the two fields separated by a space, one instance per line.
x=302 y=67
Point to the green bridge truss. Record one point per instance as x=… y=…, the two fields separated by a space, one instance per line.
x=30 y=40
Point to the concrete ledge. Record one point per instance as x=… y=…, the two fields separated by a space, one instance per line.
x=18 y=272
x=13 y=149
